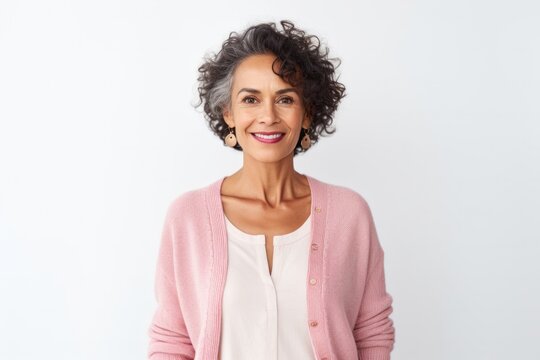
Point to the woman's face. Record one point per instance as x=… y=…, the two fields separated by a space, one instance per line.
x=262 y=102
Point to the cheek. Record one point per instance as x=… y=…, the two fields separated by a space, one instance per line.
x=293 y=114
x=242 y=122
x=245 y=114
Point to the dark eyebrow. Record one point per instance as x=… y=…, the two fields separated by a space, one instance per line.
x=279 y=92
x=286 y=90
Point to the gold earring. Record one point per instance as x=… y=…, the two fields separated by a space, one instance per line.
x=306 y=140
x=230 y=139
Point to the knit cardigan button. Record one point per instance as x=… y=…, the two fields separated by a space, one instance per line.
x=314 y=246
x=313 y=323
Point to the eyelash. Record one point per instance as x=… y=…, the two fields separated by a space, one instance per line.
x=291 y=100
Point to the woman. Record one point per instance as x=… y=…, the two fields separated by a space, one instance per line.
x=268 y=263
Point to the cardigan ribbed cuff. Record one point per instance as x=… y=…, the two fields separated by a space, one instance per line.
x=375 y=353
x=162 y=356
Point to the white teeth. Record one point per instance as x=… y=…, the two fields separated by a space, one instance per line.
x=274 y=136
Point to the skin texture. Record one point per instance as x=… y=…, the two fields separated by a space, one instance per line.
x=267 y=195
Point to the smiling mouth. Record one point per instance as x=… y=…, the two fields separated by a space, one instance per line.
x=268 y=137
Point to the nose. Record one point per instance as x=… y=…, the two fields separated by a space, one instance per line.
x=268 y=113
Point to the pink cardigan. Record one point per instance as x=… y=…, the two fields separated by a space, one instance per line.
x=348 y=307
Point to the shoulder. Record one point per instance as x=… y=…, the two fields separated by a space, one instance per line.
x=347 y=199
x=187 y=203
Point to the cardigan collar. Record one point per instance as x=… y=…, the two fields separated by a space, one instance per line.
x=216 y=216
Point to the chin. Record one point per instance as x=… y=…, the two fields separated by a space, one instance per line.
x=269 y=156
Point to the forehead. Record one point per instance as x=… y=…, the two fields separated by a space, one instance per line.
x=256 y=69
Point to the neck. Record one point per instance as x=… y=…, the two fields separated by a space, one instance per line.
x=272 y=183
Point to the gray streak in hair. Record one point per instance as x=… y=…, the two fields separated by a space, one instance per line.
x=220 y=95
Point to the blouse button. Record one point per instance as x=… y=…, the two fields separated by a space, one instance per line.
x=317 y=209
x=313 y=323
x=314 y=246
x=313 y=281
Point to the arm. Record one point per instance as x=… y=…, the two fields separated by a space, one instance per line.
x=374 y=331
x=169 y=339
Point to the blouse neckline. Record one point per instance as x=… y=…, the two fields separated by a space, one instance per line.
x=278 y=240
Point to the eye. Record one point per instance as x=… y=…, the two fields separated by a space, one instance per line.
x=249 y=100
x=288 y=100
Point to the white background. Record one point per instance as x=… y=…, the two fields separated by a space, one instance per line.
x=439 y=132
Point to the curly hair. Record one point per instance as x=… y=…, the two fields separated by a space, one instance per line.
x=298 y=54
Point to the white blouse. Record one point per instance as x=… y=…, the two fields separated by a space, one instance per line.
x=264 y=316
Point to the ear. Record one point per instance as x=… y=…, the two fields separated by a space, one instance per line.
x=227 y=116
x=306 y=121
